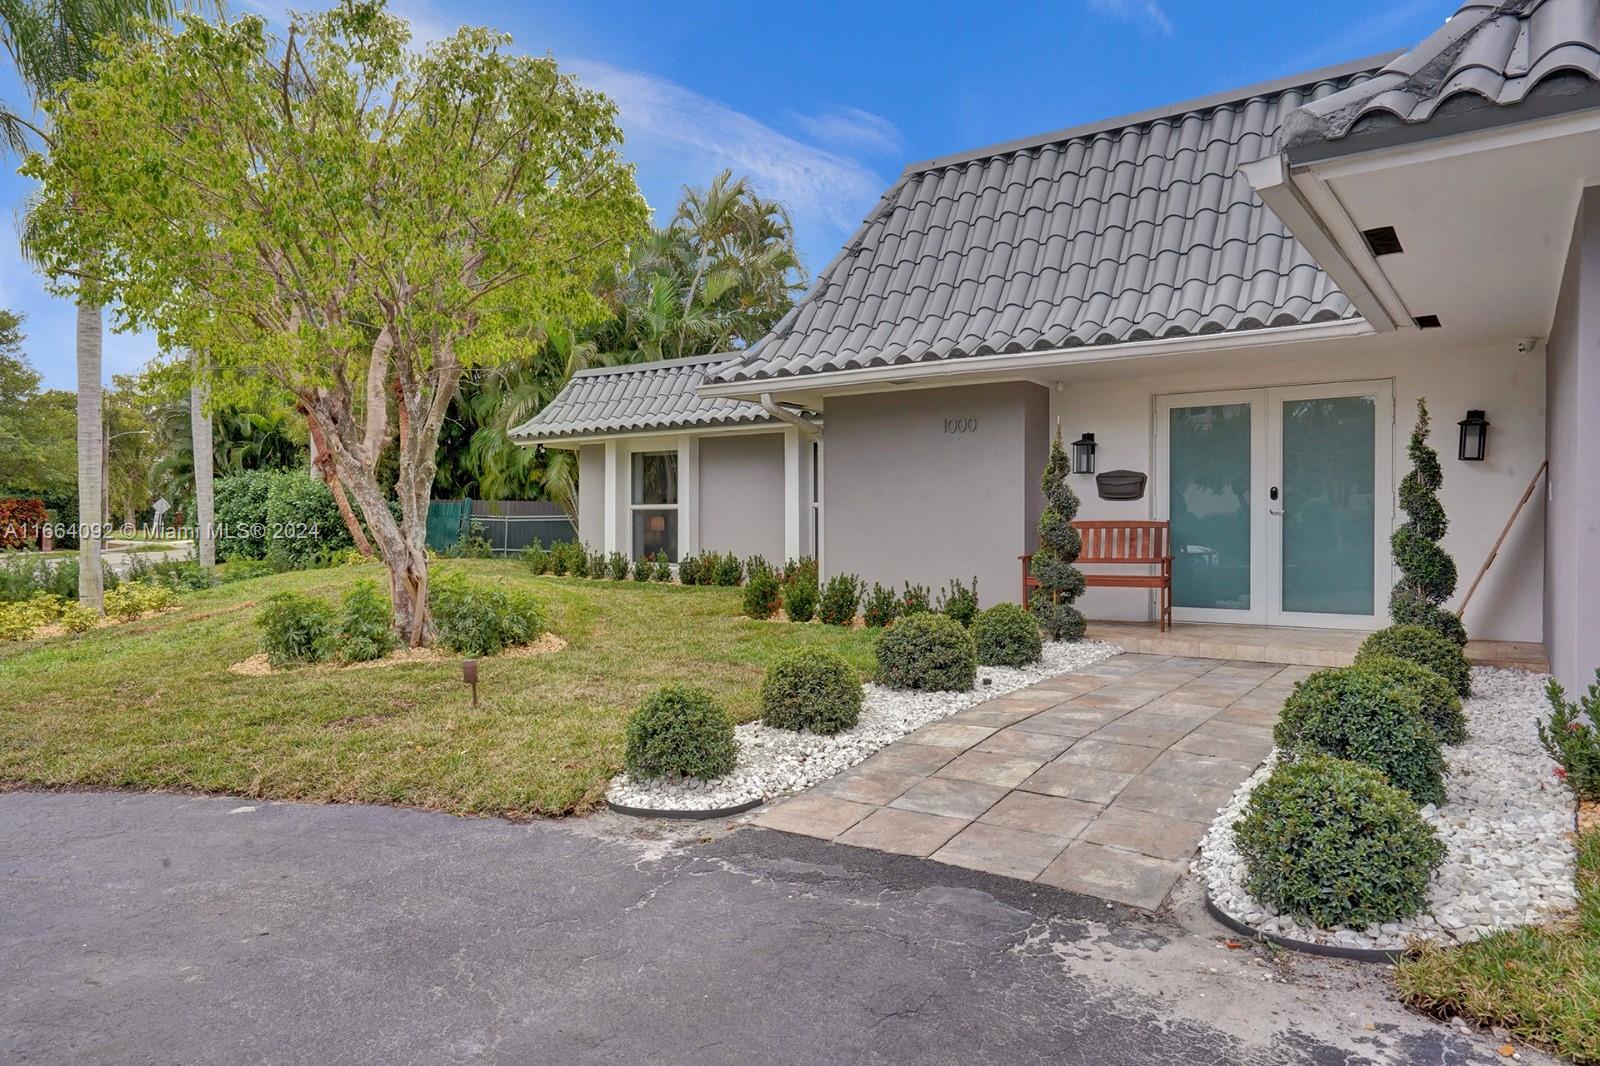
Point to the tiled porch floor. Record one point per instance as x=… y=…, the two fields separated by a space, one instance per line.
x=1278 y=644
x=1100 y=781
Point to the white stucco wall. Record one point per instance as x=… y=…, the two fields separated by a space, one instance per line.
x=742 y=495
x=1478 y=497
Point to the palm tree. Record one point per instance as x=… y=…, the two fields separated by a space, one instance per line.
x=52 y=42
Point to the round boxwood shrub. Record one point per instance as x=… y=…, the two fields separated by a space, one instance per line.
x=812 y=688
x=1006 y=635
x=927 y=651
x=1355 y=715
x=1440 y=704
x=1425 y=648
x=679 y=732
x=1328 y=841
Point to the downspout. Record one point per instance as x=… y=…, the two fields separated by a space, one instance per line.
x=788 y=417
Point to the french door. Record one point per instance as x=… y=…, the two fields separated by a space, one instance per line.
x=1280 y=502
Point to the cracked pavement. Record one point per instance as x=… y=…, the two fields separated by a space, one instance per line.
x=161 y=929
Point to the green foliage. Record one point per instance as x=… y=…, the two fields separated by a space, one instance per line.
x=1060 y=583
x=757 y=564
x=881 y=607
x=479 y=620
x=366 y=624
x=800 y=595
x=17 y=622
x=131 y=599
x=1329 y=842
x=1007 y=635
x=812 y=688
x=540 y=560
x=37 y=426
x=680 y=732
x=761 y=595
x=284 y=514
x=960 y=601
x=568 y=557
x=663 y=570
x=1427 y=572
x=1573 y=742
x=78 y=617
x=22 y=576
x=726 y=569
x=841 y=596
x=927 y=651
x=689 y=570
x=617 y=566
x=644 y=568
x=1360 y=716
x=295 y=629
x=1441 y=705
x=915 y=600
x=474 y=544
x=1425 y=648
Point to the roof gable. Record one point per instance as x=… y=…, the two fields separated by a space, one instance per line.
x=1125 y=231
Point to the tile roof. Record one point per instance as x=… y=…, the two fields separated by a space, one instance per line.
x=1129 y=230
x=636 y=397
x=1489 y=54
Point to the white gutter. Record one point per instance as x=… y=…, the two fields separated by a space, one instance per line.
x=1024 y=363
x=1358 y=276
x=783 y=414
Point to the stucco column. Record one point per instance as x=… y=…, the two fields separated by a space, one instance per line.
x=616 y=508
x=793 y=515
x=688 y=495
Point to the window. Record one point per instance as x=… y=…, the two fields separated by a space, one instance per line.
x=655 y=504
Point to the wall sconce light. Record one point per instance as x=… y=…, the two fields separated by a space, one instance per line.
x=1474 y=437
x=1083 y=454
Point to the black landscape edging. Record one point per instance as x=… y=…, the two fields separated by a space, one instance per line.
x=1331 y=951
x=686 y=815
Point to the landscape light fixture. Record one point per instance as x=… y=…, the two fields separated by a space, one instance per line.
x=1474 y=437
x=469 y=674
x=1083 y=454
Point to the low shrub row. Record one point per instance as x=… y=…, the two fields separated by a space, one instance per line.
x=1334 y=836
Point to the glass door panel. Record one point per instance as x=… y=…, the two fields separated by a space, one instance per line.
x=1328 y=505
x=1208 y=496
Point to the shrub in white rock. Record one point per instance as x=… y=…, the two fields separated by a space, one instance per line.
x=812 y=689
x=1441 y=706
x=1425 y=648
x=1006 y=635
x=1329 y=841
x=929 y=652
x=1573 y=743
x=1351 y=714
x=680 y=732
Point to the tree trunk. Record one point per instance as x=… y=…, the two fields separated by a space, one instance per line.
x=322 y=467
x=204 y=497
x=91 y=471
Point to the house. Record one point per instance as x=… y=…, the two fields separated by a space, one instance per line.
x=1241 y=298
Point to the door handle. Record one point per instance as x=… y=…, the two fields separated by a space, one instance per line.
x=1275 y=510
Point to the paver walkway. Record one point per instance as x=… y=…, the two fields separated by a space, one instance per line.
x=1100 y=781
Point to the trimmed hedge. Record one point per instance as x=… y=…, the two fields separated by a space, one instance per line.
x=812 y=688
x=1328 y=841
x=1440 y=704
x=1363 y=717
x=680 y=732
x=929 y=652
x=1425 y=648
x=1006 y=635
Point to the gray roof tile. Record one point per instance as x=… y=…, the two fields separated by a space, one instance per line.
x=1129 y=230
x=1491 y=53
x=635 y=398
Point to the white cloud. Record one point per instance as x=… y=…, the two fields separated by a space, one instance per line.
x=1150 y=12
x=667 y=125
x=851 y=127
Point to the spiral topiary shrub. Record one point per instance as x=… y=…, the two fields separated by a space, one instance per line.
x=1441 y=706
x=929 y=652
x=1006 y=635
x=1351 y=714
x=1329 y=842
x=1425 y=647
x=1060 y=583
x=1427 y=572
x=680 y=732
x=812 y=688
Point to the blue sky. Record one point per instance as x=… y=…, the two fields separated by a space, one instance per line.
x=824 y=103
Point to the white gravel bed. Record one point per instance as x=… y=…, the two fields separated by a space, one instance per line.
x=775 y=761
x=1506 y=824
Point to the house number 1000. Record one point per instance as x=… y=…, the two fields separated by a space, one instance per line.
x=961 y=425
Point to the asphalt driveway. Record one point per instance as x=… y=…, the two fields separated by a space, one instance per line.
x=169 y=929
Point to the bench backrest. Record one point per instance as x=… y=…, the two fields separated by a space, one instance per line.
x=1124 y=542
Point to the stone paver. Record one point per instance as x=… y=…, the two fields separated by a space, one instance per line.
x=1100 y=781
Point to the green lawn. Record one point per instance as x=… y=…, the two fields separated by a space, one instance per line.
x=1540 y=982
x=152 y=704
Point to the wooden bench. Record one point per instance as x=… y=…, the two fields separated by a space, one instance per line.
x=1121 y=544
